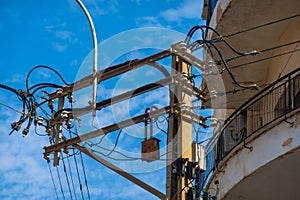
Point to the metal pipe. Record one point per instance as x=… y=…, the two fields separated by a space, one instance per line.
x=95 y=64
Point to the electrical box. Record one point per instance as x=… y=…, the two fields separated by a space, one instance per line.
x=150 y=150
x=199 y=155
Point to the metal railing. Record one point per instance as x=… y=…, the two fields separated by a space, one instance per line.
x=271 y=103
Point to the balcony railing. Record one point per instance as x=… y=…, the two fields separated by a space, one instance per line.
x=273 y=102
x=267 y=106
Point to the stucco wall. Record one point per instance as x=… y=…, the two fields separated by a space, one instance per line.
x=284 y=64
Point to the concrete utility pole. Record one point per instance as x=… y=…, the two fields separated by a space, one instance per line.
x=180 y=131
x=180 y=165
x=58 y=135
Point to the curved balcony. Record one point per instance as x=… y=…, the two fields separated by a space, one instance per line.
x=270 y=27
x=257 y=152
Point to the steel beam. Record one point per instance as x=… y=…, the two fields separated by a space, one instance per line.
x=105 y=130
x=112 y=72
x=121 y=172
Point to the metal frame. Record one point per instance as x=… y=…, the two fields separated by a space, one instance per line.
x=283 y=92
x=175 y=80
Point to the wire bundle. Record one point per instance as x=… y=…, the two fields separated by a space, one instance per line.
x=29 y=104
x=210 y=46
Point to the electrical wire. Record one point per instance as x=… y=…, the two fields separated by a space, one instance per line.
x=262 y=25
x=67 y=177
x=210 y=43
x=84 y=174
x=70 y=169
x=78 y=175
x=60 y=183
x=115 y=151
x=263 y=59
x=252 y=86
x=162 y=130
x=180 y=191
x=35 y=131
x=287 y=62
x=116 y=143
x=7 y=106
x=263 y=50
x=46 y=67
x=52 y=179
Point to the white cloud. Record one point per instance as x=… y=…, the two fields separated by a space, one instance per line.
x=96 y=8
x=16 y=78
x=23 y=172
x=148 y=21
x=64 y=35
x=59 y=47
x=189 y=9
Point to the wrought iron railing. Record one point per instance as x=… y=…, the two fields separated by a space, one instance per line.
x=271 y=103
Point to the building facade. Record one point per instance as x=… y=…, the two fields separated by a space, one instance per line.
x=257 y=149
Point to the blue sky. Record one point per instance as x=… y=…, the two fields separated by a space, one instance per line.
x=56 y=33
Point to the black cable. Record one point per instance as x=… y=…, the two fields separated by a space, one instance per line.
x=53 y=181
x=20 y=94
x=46 y=86
x=263 y=59
x=67 y=177
x=263 y=25
x=84 y=174
x=160 y=128
x=100 y=140
x=46 y=67
x=116 y=143
x=73 y=185
x=7 y=106
x=186 y=186
x=287 y=62
x=48 y=116
x=220 y=38
x=254 y=86
x=78 y=175
x=61 y=187
x=106 y=149
x=35 y=130
x=264 y=50
x=191 y=32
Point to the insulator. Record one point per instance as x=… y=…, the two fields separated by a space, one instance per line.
x=65 y=115
x=40 y=121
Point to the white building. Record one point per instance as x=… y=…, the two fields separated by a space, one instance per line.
x=257 y=156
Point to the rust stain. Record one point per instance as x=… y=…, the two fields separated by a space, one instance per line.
x=287 y=142
x=219 y=13
x=296 y=123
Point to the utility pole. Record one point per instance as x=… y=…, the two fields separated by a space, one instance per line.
x=58 y=132
x=180 y=132
x=180 y=165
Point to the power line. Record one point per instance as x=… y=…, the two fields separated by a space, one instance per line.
x=262 y=25
x=287 y=62
x=7 y=106
x=61 y=187
x=52 y=179
x=85 y=179
x=263 y=59
x=46 y=67
x=116 y=143
x=73 y=185
x=78 y=176
x=264 y=50
x=67 y=177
